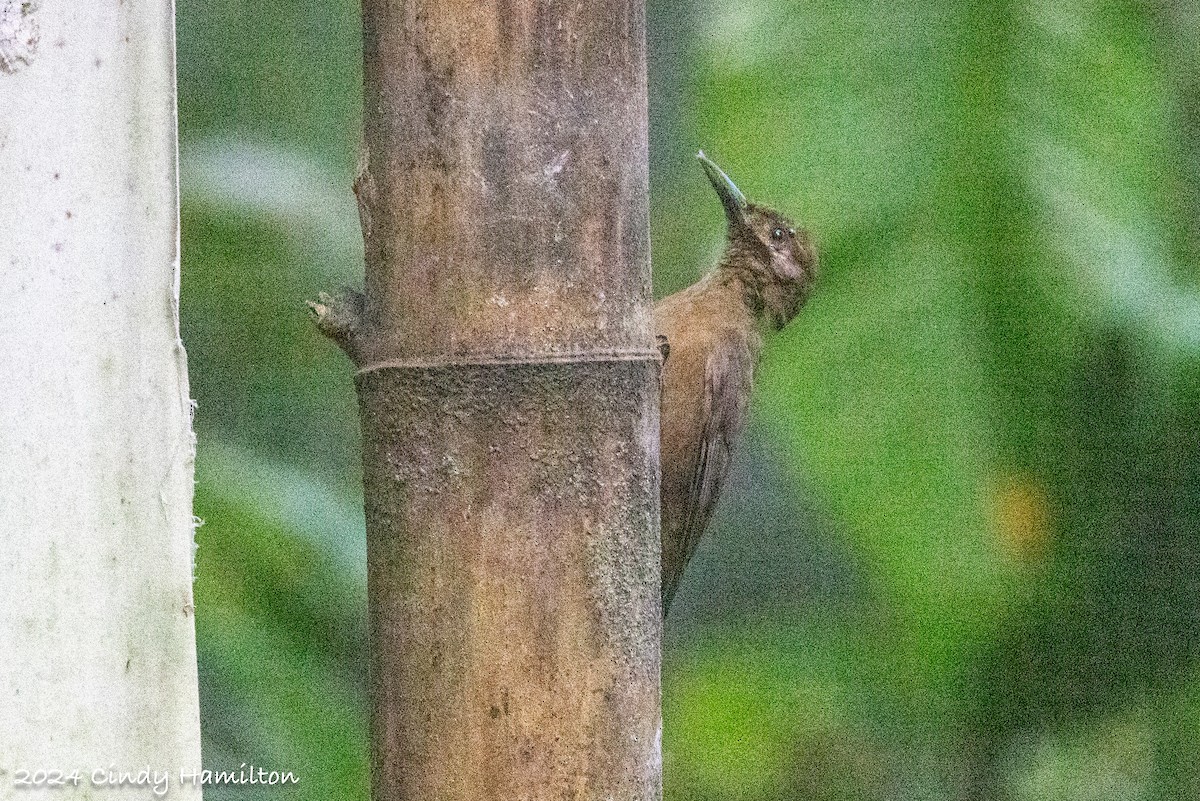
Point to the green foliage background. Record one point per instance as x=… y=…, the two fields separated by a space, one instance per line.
x=959 y=558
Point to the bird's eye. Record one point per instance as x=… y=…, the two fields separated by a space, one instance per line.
x=777 y=233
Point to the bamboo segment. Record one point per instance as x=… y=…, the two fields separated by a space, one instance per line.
x=508 y=390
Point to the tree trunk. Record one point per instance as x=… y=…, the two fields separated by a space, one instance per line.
x=97 y=643
x=509 y=400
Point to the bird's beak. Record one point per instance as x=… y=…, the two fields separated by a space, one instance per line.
x=732 y=199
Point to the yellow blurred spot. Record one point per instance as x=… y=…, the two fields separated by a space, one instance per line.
x=1021 y=518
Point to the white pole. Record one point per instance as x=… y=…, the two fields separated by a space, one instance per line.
x=97 y=639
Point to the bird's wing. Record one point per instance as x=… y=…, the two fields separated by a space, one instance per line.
x=728 y=375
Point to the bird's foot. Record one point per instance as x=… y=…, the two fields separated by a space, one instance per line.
x=664 y=347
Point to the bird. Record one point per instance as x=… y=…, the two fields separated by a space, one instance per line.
x=711 y=335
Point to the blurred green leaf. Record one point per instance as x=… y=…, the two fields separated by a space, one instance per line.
x=281 y=603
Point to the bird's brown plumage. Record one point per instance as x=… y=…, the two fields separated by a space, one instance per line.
x=714 y=334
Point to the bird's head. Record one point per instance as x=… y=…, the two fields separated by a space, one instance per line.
x=775 y=260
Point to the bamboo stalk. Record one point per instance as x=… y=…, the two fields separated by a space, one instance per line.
x=509 y=401
x=97 y=638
